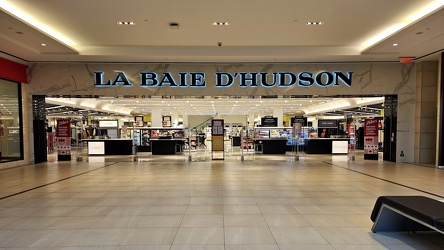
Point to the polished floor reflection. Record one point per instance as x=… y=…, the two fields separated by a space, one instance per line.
x=263 y=202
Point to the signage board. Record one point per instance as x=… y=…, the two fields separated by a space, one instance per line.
x=108 y=124
x=299 y=119
x=327 y=123
x=226 y=79
x=63 y=140
x=217 y=136
x=268 y=121
x=371 y=139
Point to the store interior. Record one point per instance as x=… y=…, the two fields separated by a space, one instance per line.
x=111 y=128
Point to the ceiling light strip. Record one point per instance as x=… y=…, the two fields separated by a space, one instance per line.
x=388 y=31
x=27 y=18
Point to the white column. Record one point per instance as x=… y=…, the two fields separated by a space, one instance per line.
x=185 y=120
x=278 y=111
x=174 y=119
x=156 y=116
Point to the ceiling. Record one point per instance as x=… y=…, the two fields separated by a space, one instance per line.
x=168 y=31
x=258 y=30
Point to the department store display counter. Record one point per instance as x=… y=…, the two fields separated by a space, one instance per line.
x=235 y=141
x=271 y=145
x=109 y=146
x=167 y=146
x=326 y=145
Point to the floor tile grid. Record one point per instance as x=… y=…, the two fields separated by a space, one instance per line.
x=243 y=186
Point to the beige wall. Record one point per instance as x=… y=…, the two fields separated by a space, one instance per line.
x=368 y=79
x=438 y=135
x=426 y=112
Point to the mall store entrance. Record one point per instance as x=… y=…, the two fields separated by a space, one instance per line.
x=183 y=131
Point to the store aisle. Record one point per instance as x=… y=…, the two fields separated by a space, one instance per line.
x=319 y=202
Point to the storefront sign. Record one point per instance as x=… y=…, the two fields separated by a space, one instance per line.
x=371 y=139
x=225 y=79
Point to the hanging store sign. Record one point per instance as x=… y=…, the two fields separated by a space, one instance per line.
x=268 y=121
x=225 y=79
x=327 y=123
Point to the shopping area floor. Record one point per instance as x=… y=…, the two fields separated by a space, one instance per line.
x=318 y=202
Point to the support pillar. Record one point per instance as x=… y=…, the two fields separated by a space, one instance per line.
x=174 y=119
x=440 y=118
x=39 y=128
x=278 y=112
x=426 y=115
x=156 y=116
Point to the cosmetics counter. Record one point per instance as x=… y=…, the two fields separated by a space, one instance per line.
x=158 y=141
x=326 y=145
x=273 y=140
x=109 y=146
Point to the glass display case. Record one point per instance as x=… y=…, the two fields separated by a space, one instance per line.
x=143 y=136
x=283 y=133
x=276 y=132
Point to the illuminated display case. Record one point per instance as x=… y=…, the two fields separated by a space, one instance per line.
x=283 y=132
x=275 y=132
x=142 y=136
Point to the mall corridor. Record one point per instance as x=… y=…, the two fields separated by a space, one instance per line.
x=319 y=202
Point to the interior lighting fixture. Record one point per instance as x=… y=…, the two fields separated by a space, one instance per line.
x=126 y=23
x=174 y=26
x=395 y=44
x=44 y=44
x=314 y=23
x=390 y=30
x=221 y=23
x=8 y=6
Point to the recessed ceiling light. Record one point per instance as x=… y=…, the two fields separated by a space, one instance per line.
x=174 y=26
x=314 y=23
x=126 y=23
x=395 y=44
x=221 y=23
x=44 y=44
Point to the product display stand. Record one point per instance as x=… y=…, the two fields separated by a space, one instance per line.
x=297 y=129
x=79 y=158
x=352 y=144
x=241 y=147
x=217 y=139
x=189 y=143
x=134 y=146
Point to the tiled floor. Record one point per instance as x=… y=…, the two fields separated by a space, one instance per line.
x=264 y=202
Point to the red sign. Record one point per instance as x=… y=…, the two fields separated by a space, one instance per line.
x=64 y=139
x=63 y=128
x=371 y=127
x=371 y=137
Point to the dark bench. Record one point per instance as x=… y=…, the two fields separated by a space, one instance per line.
x=439 y=224
x=407 y=213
